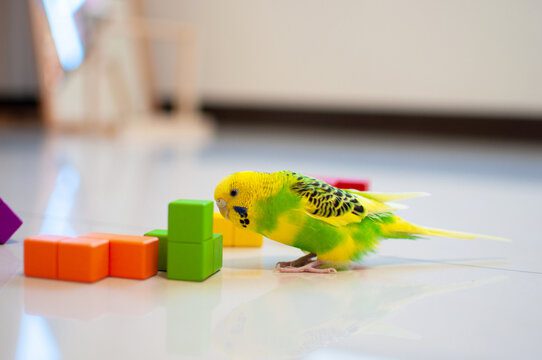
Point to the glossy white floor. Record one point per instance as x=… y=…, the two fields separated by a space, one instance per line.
x=434 y=298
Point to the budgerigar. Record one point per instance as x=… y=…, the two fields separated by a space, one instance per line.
x=333 y=225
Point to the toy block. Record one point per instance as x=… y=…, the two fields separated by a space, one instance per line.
x=162 y=236
x=190 y=261
x=224 y=227
x=190 y=221
x=343 y=183
x=247 y=238
x=217 y=249
x=9 y=222
x=41 y=256
x=361 y=185
x=131 y=257
x=83 y=259
x=233 y=236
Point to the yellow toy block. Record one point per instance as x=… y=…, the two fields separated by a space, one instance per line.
x=224 y=227
x=234 y=236
x=245 y=237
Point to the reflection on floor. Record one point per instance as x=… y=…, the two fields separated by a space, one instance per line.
x=434 y=298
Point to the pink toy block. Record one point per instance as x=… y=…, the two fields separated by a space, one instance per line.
x=356 y=184
x=9 y=222
x=344 y=183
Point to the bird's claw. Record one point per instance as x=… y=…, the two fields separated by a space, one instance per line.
x=284 y=264
x=302 y=261
x=311 y=267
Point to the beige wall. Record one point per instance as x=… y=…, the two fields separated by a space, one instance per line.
x=458 y=55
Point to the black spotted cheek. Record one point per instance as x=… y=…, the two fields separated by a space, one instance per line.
x=243 y=215
x=244 y=222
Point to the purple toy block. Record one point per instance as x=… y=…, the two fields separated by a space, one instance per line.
x=9 y=222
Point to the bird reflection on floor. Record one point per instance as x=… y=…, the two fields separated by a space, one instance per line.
x=341 y=311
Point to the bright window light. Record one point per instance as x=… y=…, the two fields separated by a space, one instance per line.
x=61 y=16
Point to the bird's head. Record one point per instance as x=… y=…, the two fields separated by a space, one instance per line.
x=236 y=194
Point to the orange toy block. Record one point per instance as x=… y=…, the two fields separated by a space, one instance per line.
x=41 y=256
x=83 y=259
x=224 y=227
x=132 y=257
x=247 y=238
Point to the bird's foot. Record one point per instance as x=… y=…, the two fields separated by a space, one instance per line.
x=311 y=267
x=302 y=261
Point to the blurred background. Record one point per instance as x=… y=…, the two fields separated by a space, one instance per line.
x=412 y=96
x=111 y=109
x=448 y=67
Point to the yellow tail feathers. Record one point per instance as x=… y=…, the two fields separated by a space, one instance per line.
x=382 y=202
x=386 y=197
x=457 y=234
x=400 y=226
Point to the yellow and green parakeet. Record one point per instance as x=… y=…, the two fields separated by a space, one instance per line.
x=335 y=226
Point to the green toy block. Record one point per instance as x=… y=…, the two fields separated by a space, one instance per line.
x=217 y=243
x=190 y=221
x=161 y=234
x=189 y=261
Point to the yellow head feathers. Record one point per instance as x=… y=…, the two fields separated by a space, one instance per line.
x=237 y=193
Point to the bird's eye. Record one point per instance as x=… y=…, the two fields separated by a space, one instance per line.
x=233 y=193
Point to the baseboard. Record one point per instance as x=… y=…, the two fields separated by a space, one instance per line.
x=509 y=127
x=19 y=101
x=20 y=108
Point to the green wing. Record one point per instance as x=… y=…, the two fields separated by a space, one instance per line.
x=335 y=206
x=325 y=202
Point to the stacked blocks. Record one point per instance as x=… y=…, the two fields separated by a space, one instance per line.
x=235 y=236
x=9 y=222
x=131 y=257
x=218 y=244
x=190 y=220
x=161 y=234
x=91 y=257
x=193 y=252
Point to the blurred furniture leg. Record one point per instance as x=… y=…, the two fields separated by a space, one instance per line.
x=102 y=94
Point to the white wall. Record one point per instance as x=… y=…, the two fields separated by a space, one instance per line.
x=457 y=55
